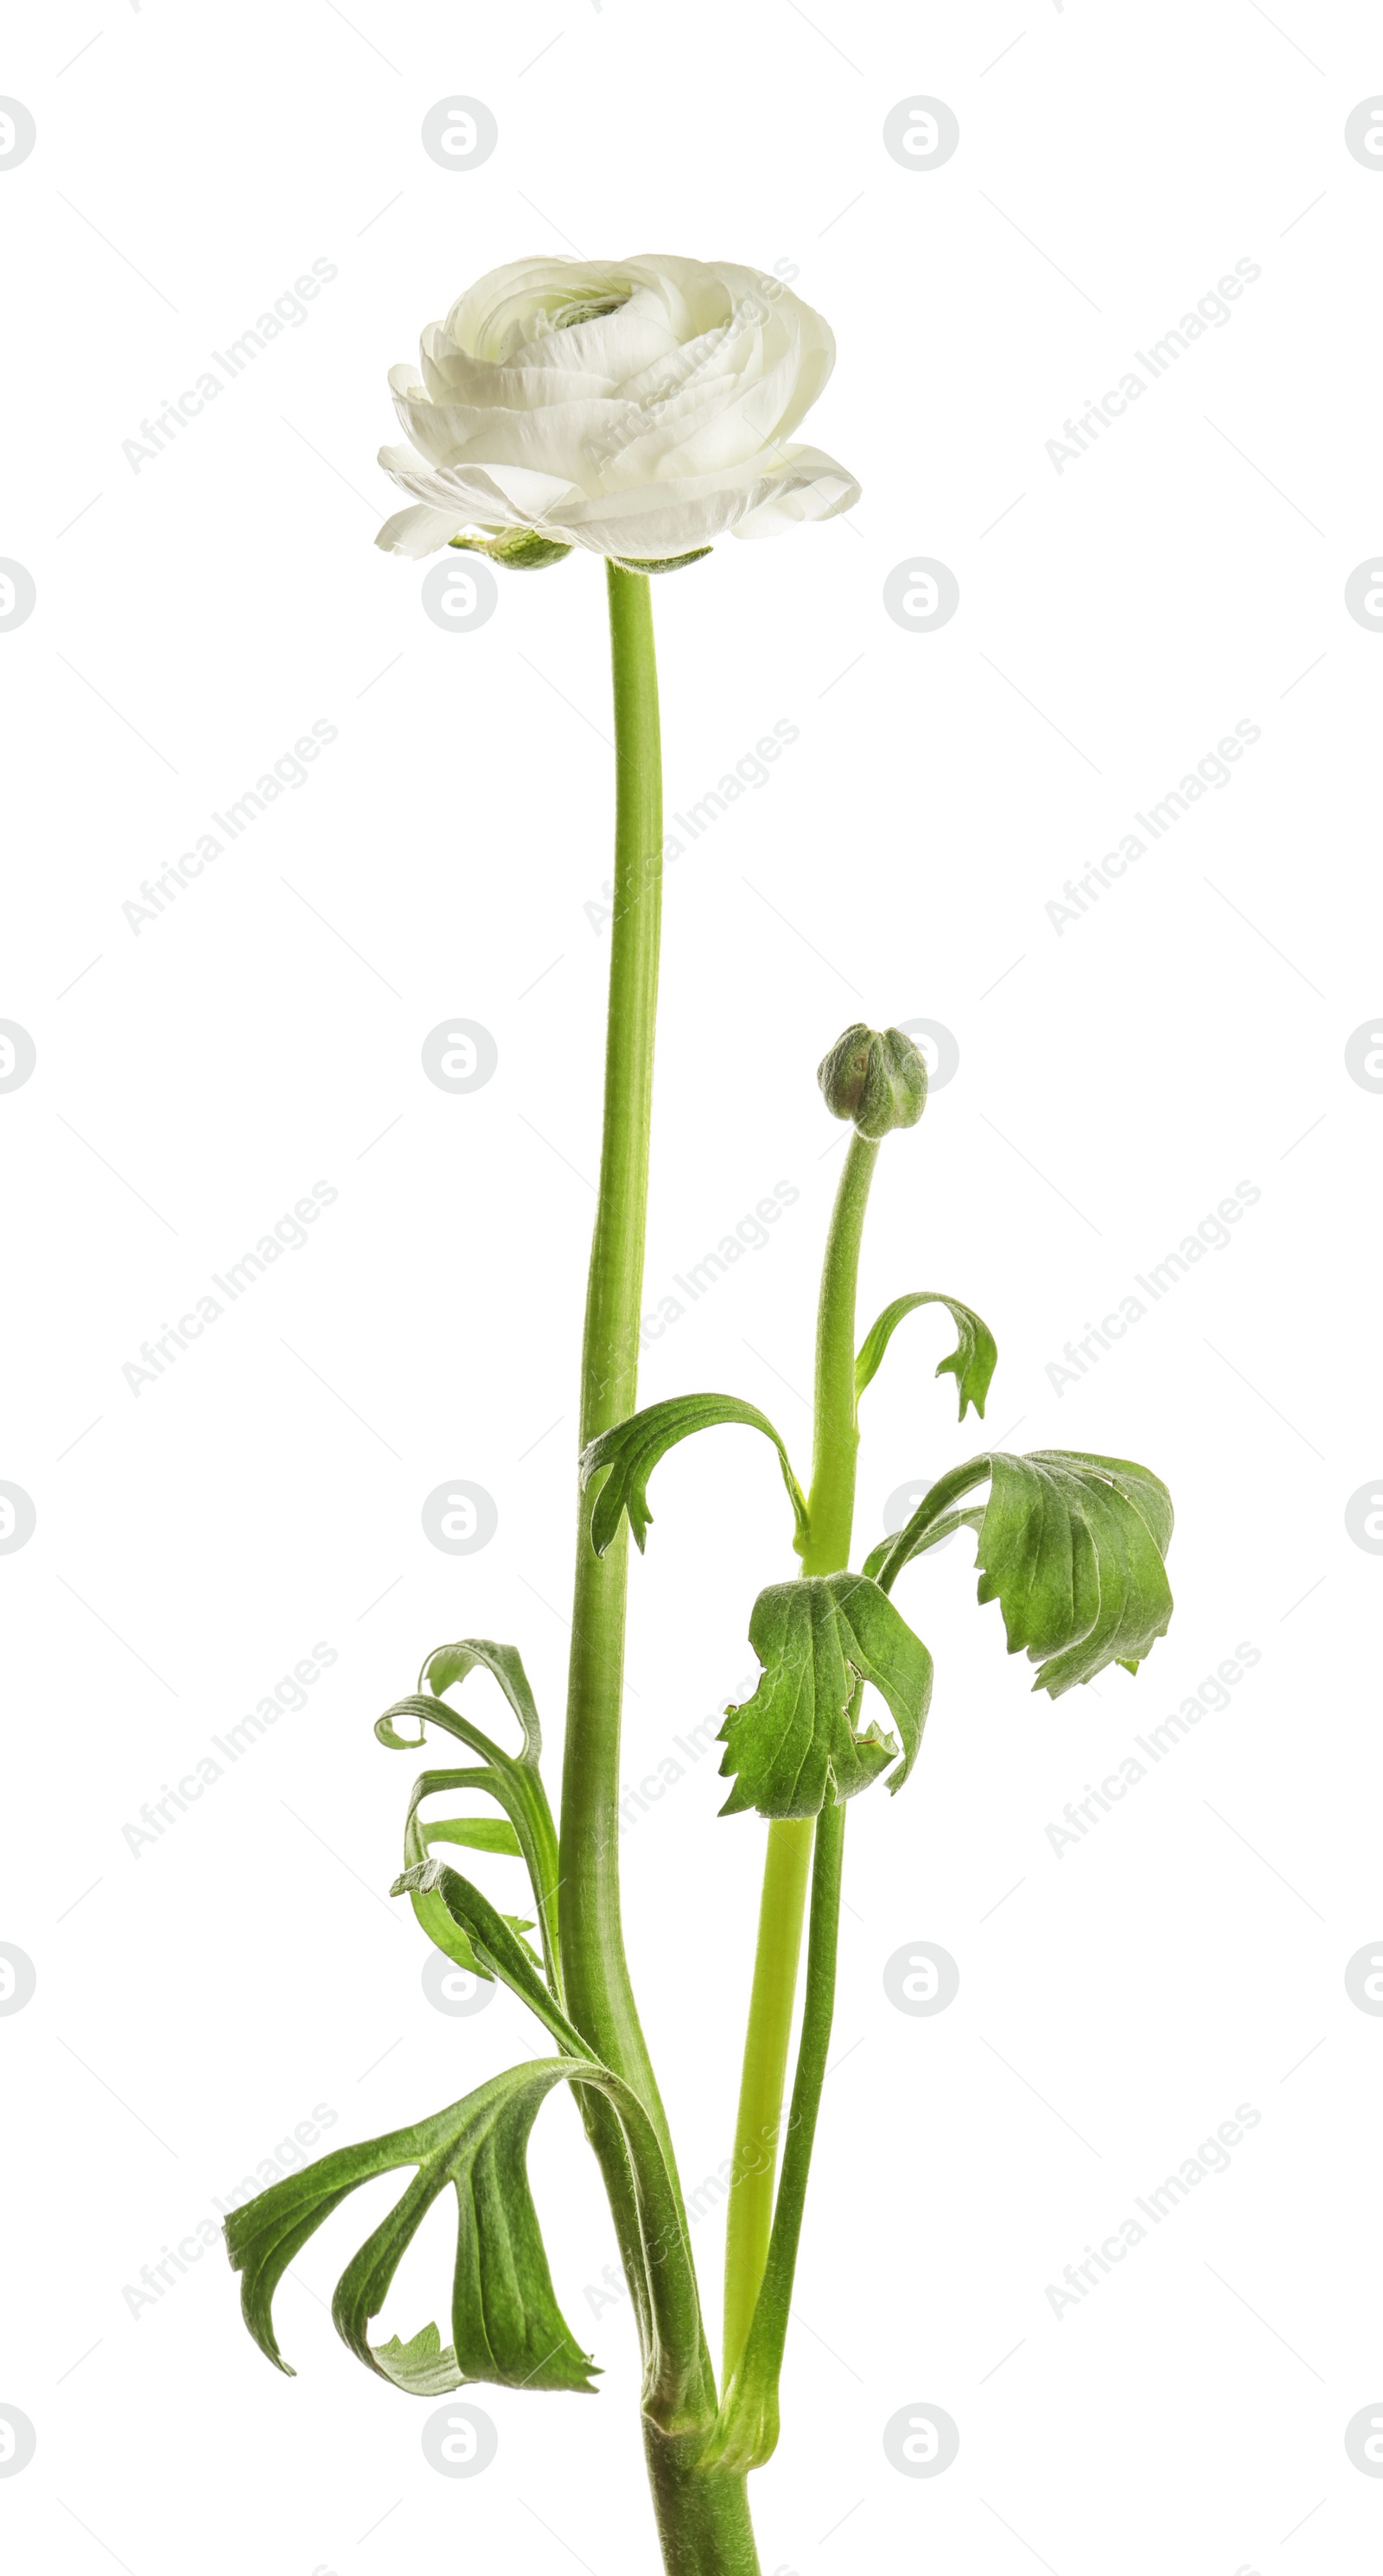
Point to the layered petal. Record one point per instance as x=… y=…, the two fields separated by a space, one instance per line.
x=637 y=407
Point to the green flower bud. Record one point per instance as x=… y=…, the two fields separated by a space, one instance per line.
x=876 y=1077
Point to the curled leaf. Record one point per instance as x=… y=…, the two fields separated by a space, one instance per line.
x=972 y=1363
x=632 y=1449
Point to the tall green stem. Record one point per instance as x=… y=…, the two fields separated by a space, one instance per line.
x=600 y=1997
x=831 y=1513
x=703 y=2522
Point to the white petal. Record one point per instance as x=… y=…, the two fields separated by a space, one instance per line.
x=419 y=532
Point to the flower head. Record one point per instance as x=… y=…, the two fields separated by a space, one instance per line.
x=639 y=408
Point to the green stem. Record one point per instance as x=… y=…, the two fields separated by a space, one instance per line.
x=747 y=2432
x=831 y=1513
x=786 y=1867
x=599 y=1993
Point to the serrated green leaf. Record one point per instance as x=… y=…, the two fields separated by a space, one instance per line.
x=632 y=1450
x=1071 y=1546
x=794 y=1744
x=505 y=2322
x=972 y=1363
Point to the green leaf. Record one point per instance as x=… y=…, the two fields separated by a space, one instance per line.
x=632 y=1450
x=513 y=1780
x=482 y=1833
x=477 y=1833
x=505 y=2322
x=1070 y=1546
x=794 y=1744
x=448 y=1665
x=494 y=1941
x=659 y=563
x=972 y=1363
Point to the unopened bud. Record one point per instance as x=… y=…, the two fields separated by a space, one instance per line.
x=876 y=1077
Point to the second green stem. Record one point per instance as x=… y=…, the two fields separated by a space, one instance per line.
x=831 y=1512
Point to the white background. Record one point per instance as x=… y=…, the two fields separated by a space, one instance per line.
x=1118 y=2000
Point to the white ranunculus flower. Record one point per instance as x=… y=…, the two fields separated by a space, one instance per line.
x=639 y=408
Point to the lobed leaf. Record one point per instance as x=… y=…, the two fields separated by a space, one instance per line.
x=632 y=1449
x=972 y=1363
x=794 y=1745
x=505 y=2322
x=1071 y=1546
